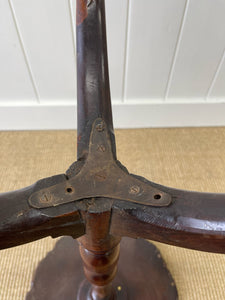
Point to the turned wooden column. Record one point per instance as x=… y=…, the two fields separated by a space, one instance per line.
x=100 y=253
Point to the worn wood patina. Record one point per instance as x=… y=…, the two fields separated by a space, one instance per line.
x=98 y=202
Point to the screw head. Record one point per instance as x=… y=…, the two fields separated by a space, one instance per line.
x=101 y=176
x=101 y=148
x=45 y=198
x=100 y=126
x=134 y=189
x=89 y=3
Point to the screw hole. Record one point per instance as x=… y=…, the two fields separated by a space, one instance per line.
x=157 y=196
x=69 y=190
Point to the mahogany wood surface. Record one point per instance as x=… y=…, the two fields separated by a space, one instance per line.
x=141 y=274
x=93 y=88
x=20 y=223
x=193 y=220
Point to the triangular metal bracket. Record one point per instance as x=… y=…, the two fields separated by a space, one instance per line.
x=100 y=176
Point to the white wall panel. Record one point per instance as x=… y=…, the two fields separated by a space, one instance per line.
x=15 y=81
x=126 y=115
x=152 y=36
x=116 y=16
x=166 y=61
x=201 y=47
x=47 y=35
x=218 y=87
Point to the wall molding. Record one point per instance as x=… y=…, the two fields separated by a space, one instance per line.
x=132 y=114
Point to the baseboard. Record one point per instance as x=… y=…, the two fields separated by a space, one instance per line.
x=126 y=115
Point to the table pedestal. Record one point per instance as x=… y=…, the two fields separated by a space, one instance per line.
x=142 y=274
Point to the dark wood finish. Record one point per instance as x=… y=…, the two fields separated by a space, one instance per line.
x=141 y=274
x=189 y=219
x=20 y=224
x=99 y=252
x=193 y=220
x=93 y=89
